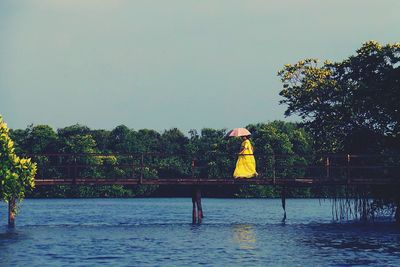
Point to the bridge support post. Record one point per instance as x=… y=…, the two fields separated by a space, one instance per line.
x=197 y=214
x=11 y=212
x=283 y=198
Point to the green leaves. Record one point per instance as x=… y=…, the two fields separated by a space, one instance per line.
x=338 y=101
x=16 y=174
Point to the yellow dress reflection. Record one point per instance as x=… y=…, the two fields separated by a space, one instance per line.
x=244 y=236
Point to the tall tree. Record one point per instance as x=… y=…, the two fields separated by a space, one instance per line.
x=353 y=105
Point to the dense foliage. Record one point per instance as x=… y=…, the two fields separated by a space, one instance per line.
x=352 y=105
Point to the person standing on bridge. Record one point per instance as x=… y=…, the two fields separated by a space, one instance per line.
x=246 y=163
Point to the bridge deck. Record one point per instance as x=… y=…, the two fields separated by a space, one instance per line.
x=218 y=181
x=134 y=169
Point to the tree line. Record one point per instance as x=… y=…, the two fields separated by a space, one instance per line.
x=119 y=153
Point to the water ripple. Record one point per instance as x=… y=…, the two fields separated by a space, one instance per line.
x=138 y=232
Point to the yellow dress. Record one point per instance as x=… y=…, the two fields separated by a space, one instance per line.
x=246 y=164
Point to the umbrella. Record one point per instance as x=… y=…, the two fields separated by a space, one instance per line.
x=238 y=132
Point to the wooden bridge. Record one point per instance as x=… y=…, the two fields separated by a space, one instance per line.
x=213 y=169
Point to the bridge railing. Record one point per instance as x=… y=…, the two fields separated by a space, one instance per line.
x=213 y=166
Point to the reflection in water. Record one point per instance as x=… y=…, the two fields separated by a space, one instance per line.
x=244 y=236
x=138 y=232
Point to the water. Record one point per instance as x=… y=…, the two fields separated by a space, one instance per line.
x=158 y=232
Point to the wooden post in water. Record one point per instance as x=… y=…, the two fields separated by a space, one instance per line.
x=283 y=198
x=197 y=214
x=194 y=213
x=199 y=207
x=11 y=212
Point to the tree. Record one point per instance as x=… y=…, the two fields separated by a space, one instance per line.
x=77 y=141
x=16 y=174
x=101 y=137
x=351 y=106
x=215 y=155
x=120 y=139
x=41 y=139
x=174 y=159
x=149 y=141
x=348 y=105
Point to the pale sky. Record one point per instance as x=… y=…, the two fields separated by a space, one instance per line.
x=169 y=63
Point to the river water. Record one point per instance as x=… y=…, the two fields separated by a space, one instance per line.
x=158 y=232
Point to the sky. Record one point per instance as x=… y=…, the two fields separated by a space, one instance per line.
x=161 y=64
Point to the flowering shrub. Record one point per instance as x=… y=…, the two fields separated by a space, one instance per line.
x=17 y=175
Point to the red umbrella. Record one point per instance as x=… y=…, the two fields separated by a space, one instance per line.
x=238 y=132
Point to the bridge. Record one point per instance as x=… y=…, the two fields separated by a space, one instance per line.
x=213 y=169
